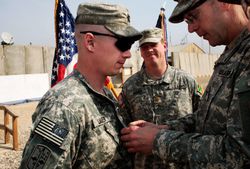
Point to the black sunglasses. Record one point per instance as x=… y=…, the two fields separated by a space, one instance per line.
x=123 y=44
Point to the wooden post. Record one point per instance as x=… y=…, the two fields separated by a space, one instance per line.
x=172 y=58
x=15 y=133
x=6 y=123
x=7 y=130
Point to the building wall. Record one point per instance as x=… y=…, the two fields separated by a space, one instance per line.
x=16 y=60
x=188 y=48
x=193 y=49
x=200 y=65
x=30 y=59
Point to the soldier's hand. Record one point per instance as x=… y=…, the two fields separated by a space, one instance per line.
x=139 y=139
x=142 y=123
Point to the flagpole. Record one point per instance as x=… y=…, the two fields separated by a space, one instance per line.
x=64 y=38
x=161 y=23
x=55 y=20
x=162 y=13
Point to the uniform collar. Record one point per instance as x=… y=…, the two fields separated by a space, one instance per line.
x=233 y=47
x=238 y=39
x=166 y=78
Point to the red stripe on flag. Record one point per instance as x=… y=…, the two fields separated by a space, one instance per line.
x=61 y=73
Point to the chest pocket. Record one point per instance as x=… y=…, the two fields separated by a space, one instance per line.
x=243 y=91
x=169 y=103
x=222 y=77
x=176 y=101
x=243 y=86
x=210 y=100
x=101 y=143
x=104 y=124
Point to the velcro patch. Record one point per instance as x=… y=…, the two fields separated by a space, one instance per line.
x=199 y=89
x=51 y=131
x=38 y=157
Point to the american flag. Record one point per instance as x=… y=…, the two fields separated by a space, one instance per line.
x=51 y=131
x=161 y=23
x=65 y=57
x=66 y=50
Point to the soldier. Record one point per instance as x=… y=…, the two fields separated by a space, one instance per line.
x=76 y=124
x=212 y=136
x=157 y=93
x=243 y=86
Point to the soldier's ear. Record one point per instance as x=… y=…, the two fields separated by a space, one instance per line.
x=89 y=41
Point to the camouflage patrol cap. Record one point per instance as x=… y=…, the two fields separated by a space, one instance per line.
x=182 y=7
x=114 y=18
x=153 y=35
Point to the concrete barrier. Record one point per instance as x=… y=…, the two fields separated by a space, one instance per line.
x=33 y=60
x=14 y=60
x=2 y=67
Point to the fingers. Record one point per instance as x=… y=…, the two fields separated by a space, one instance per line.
x=126 y=137
x=142 y=123
x=132 y=146
x=131 y=150
x=129 y=129
x=137 y=123
x=135 y=146
x=139 y=139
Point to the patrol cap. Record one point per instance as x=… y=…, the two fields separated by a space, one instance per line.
x=152 y=35
x=231 y=1
x=114 y=18
x=182 y=7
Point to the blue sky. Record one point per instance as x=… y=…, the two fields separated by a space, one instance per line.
x=33 y=20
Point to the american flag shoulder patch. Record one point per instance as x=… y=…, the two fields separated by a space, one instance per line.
x=51 y=131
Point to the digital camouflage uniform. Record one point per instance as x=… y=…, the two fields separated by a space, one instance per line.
x=213 y=134
x=75 y=127
x=242 y=88
x=157 y=101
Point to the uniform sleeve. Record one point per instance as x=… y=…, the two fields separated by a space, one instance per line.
x=243 y=92
x=186 y=123
x=221 y=150
x=199 y=151
x=53 y=139
x=124 y=107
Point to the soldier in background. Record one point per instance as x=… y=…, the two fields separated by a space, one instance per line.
x=157 y=93
x=212 y=137
x=76 y=124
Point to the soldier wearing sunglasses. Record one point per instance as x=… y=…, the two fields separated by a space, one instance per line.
x=76 y=124
x=214 y=136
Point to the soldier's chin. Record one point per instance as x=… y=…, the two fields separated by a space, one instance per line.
x=115 y=72
x=213 y=43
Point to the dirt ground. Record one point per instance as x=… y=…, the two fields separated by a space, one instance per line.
x=10 y=159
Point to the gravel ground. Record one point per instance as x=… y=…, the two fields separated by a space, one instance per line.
x=10 y=159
